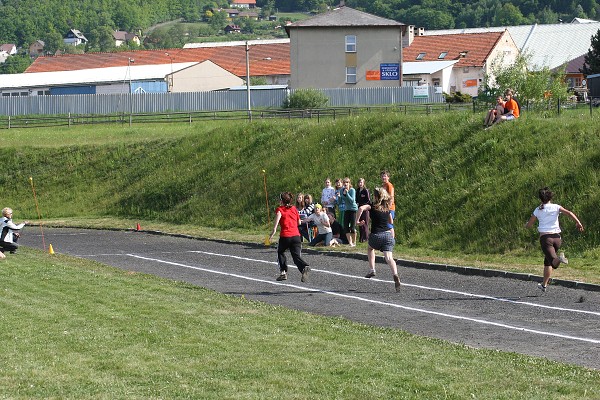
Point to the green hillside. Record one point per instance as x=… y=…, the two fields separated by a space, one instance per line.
x=460 y=190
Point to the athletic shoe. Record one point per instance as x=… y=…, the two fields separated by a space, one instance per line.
x=370 y=274
x=282 y=276
x=542 y=287
x=397 y=283
x=305 y=272
x=562 y=258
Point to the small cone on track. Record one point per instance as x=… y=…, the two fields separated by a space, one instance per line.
x=50 y=250
x=138 y=227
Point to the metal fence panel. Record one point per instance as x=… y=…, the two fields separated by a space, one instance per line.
x=88 y=104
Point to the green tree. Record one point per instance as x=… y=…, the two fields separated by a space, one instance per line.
x=218 y=21
x=592 y=58
x=509 y=15
x=15 y=64
x=530 y=85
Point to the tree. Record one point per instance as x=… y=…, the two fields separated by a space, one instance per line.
x=592 y=58
x=528 y=84
x=15 y=64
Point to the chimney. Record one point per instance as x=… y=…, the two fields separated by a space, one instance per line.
x=421 y=31
x=409 y=36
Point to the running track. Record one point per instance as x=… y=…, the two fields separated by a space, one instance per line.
x=484 y=312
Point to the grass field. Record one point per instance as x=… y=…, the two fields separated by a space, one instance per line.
x=74 y=329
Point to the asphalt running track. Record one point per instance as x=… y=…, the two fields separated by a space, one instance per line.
x=562 y=324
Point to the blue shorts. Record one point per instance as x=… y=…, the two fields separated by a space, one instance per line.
x=510 y=117
x=393 y=214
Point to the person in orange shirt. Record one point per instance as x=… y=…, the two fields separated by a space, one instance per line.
x=511 y=108
x=387 y=185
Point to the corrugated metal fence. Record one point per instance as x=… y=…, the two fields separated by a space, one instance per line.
x=201 y=101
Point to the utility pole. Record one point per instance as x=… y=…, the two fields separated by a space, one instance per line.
x=129 y=62
x=248 y=81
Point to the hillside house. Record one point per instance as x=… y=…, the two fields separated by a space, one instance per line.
x=232 y=28
x=471 y=57
x=122 y=37
x=74 y=38
x=9 y=48
x=243 y=4
x=36 y=48
x=345 y=48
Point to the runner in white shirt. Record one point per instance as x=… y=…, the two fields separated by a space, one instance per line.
x=550 y=240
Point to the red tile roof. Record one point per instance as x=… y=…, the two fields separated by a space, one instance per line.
x=477 y=45
x=265 y=59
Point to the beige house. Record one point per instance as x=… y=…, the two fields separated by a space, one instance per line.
x=202 y=77
x=471 y=58
x=122 y=37
x=345 y=48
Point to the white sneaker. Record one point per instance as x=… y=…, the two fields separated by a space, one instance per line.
x=542 y=287
x=562 y=258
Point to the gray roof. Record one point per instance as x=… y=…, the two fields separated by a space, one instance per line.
x=345 y=16
x=550 y=45
x=90 y=76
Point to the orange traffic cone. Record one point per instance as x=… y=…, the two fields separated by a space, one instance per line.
x=50 y=250
x=138 y=227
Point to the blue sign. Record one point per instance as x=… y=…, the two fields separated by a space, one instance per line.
x=389 y=72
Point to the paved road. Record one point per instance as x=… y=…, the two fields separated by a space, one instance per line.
x=485 y=312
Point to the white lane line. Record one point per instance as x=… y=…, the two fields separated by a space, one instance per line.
x=440 y=314
x=480 y=296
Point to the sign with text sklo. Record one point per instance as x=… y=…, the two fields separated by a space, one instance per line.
x=389 y=72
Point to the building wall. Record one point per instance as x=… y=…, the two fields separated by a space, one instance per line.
x=319 y=59
x=202 y=77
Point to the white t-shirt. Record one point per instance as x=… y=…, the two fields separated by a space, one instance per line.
x=548 y=218
x=319 y=219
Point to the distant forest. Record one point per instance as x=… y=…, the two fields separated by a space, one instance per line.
x=449 y=14
x=24 y=21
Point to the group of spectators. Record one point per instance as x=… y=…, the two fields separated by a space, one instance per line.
x=335 y=216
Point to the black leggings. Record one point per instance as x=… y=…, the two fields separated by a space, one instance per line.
x=349 y=221
x=293 y=243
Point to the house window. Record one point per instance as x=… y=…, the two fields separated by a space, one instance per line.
x=350 y=74
x=350 y=43
x=420 y=56
x=442 y=55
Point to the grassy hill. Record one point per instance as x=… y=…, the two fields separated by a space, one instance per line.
x=460 y=191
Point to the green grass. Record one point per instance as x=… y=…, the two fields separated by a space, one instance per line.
x=73 y=329
x=463 y=193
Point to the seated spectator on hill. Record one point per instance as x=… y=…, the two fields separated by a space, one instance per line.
x=511 y=108
x=495 y=112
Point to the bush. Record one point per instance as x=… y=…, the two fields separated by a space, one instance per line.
x=305 y=98
x=458 y=97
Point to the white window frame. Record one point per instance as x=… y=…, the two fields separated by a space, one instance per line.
x=350 y=42
x=351 y=75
